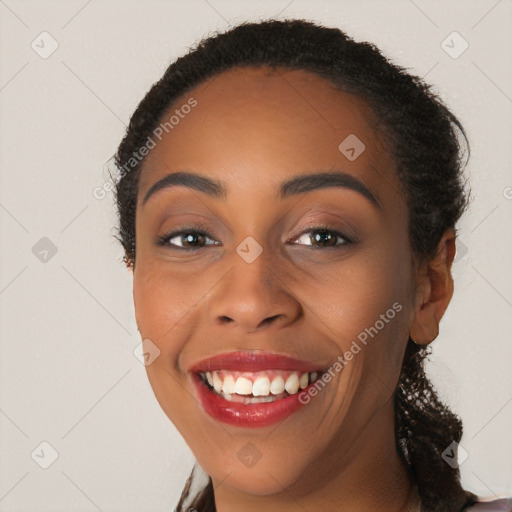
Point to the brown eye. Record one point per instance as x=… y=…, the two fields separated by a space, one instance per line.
x=190 y=240
x=322 y=237
x=187 y=240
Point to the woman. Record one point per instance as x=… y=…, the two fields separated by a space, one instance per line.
x=288 y=201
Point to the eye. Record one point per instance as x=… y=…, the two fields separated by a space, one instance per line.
x=195 y=238
x=187 y=239
x=320 y=237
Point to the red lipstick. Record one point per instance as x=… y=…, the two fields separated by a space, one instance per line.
x=240 y=410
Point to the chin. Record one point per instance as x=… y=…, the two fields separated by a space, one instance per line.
x=263 y=479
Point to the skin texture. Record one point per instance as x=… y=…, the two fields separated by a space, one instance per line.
x=252 y=129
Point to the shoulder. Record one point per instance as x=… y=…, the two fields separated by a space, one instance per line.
x=500 y=505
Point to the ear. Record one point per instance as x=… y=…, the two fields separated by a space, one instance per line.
x=434 y=291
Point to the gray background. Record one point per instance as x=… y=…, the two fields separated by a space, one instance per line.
x=68 y=372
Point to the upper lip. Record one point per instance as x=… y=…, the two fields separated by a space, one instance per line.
x=254 y=362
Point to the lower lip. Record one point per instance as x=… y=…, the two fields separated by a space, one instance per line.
x=245 y=415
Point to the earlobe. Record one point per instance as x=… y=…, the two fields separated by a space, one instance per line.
x=434 y=291
x=425 y=327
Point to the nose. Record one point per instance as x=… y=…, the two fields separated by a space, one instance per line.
x=253 y=297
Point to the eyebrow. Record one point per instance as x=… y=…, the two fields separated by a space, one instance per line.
x=294 y=186
x=191 y=180
x=316 y=181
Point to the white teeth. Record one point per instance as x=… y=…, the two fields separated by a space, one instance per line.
x=225 y=383
x=292 y=384
x=243 y=386
x=228 y=386
x=217 y=382
x=261 y=386
x=277 y=385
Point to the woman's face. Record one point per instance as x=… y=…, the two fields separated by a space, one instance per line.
x=307 y=257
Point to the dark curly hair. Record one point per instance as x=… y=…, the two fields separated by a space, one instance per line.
x=425 y=139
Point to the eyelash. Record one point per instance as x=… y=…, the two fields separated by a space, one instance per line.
x=203 y=231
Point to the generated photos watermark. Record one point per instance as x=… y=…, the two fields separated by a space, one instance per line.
x=138 y=156
x=307 y=394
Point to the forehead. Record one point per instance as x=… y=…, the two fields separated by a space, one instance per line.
x=258 y=126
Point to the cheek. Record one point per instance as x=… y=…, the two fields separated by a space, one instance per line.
x=367 y=304
x=352 y=296
x=383 y=322
x=170 y=302
x=161 y=301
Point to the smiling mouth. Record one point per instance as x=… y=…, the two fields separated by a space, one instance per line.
x=253 y=388
x=257 y=387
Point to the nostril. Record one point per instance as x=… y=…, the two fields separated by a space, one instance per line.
x=269 y=320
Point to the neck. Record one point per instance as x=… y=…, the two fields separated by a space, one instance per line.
x=370 y=476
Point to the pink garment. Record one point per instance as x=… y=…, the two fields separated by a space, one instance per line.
x=502 y=505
